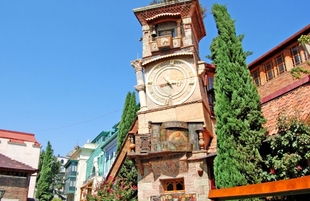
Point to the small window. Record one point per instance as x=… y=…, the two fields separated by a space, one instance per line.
x=171 y=185
x=210 y=83
x=269 y=71
x=256 y=77
x=167 y=29
x=280 y=64
x=169 y=32
x=295 y=53
x=211 y=99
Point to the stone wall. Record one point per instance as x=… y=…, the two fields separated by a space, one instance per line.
x=193 y=171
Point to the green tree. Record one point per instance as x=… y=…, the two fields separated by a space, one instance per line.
x=41 y=158
x=48 y=182
x=128 y=116
x=128 y=170
x=238 y=113
x=289 y=155
x=297 y=71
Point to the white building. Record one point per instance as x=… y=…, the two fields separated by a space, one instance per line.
x=24 y=148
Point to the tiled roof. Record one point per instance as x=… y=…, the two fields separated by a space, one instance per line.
x=10 y=164
x=16 y=136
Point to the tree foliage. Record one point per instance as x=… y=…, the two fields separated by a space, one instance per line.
x=41 y=159
x=128 y=117
x=128 y=170
x=289 y=155
x=117 y=190
x=238 y=113
x=48 y=180
x=297 y=71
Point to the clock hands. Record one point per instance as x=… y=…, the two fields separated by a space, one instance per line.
x=168 y=81
x=172 y=82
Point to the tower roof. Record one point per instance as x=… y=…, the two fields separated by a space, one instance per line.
x=153 y=14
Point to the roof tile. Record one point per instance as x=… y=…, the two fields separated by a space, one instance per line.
x=8 y=163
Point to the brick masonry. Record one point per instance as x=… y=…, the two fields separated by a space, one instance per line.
x=16 y=187
x=295 y=101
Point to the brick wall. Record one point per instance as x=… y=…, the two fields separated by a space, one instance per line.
x=297 y=100
x=15 y=187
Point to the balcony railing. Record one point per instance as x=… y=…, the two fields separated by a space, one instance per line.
x=175 y=197
x=171 y=146
x=165 y=42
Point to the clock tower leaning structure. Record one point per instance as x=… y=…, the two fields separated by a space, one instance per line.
x=175 y=127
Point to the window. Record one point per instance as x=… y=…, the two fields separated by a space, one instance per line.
x=210 y=83
x=295 y=53
x=171 y=185
x=169 y=32
x=280 y=64
x=269 y=71
x=167 y=29
x=93 y=173
x=256 y=77
x=210 y=93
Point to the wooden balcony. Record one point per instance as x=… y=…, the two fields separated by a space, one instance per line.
x=145 y=146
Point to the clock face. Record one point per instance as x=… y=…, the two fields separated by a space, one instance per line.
x=171 y=82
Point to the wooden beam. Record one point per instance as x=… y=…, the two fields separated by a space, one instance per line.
x=283 y=187
x=118 y=162
x=140 y=166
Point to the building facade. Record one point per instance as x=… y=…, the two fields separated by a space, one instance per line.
x=23 y=148
x=62 y=160
x=280 y=92
x=100 y=161
x=14 y=178
x=76 y=170
x=175 y=125
x=175 y=144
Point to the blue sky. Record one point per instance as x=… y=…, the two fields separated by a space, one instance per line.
x=65 y=65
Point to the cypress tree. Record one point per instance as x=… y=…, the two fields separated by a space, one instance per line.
x=238 y=113
x=128 y=116
x=44 y=186
x=42 y=154
x=128 y=170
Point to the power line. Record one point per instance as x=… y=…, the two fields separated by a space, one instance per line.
x=80 y=122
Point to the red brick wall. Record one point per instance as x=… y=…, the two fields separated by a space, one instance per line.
x=297 y=100
x=15 y=187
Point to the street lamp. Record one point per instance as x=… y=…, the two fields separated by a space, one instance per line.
x=2 y=191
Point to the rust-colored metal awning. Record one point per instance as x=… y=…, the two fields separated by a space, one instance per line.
x=284 y=187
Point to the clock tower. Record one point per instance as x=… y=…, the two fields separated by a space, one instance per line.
x=174 y=121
